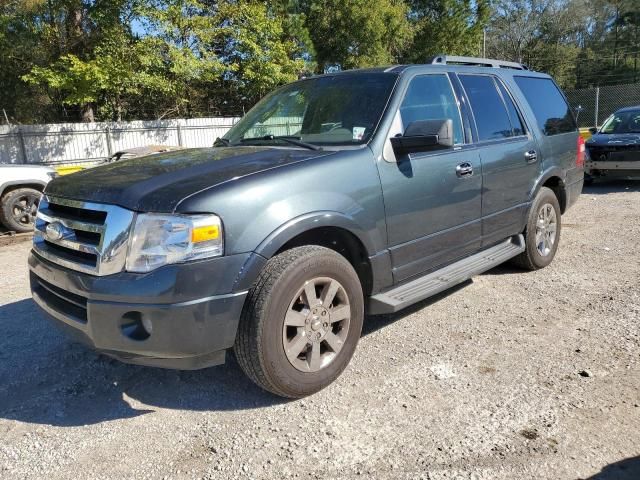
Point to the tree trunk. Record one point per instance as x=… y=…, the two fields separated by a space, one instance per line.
x=87 y=113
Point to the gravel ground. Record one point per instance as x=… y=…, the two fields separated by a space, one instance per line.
x=512 y=375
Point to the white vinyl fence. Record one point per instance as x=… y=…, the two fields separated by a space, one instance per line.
x=76 y=143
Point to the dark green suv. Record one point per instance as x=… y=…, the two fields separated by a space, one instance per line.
x=335 y=196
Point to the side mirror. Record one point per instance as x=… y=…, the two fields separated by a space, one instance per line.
x=593 y=130
x=423 y=136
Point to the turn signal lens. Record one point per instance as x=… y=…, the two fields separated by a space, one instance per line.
x=206 y=233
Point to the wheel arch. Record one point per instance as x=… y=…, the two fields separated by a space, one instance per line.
x=327 y=229
x=10 y=186
x=553 y=179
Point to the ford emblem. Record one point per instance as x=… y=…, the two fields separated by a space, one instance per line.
x=55 y=231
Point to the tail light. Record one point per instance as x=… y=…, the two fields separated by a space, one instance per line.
x=580 y=153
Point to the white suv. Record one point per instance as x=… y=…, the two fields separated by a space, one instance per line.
x=21 y=187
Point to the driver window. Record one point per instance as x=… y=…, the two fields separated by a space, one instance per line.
x=430 y=97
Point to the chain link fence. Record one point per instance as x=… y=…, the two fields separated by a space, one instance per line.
x=599 y=102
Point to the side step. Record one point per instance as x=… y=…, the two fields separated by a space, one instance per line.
x=445 y=278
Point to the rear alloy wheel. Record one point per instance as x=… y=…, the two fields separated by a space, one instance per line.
x=542 y=234
x=301 y=322
x=18 y=209
x=546 y=230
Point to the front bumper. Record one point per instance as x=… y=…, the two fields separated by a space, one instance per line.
x=612 y=165
x=619 y=160
x=178 y=316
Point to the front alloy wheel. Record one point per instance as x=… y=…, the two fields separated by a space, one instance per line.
x=316 y=324
x=18 y=209
x=301 y=321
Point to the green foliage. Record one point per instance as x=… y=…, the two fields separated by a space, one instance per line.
x=358 y=33
x=123 y=59
x=580 y=42
x=258 y=52
x=453 y=27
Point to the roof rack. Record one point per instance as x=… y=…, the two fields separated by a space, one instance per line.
x=474 y=61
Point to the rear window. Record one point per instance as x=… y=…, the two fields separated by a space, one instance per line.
x=549 y=106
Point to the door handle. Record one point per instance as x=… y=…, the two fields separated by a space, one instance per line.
x=464 y=170
x=530 y=156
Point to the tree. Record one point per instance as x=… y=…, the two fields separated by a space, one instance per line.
x=256 y=48
x=358 y=33
x=452 y=27
x=19 y=49
x=69 y=33
x=179 y=32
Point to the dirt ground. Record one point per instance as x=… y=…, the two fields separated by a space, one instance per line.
x=513 y=375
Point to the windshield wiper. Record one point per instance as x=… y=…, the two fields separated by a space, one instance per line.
x=285 y=138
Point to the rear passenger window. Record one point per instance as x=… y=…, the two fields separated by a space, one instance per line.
x=516 y=119
x=490 y=112
x=549 y=106
x=430 y=97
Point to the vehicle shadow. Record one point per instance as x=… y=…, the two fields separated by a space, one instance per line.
x=605 y=186
x=45 y=378
x=627 y=469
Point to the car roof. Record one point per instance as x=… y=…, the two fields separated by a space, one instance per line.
x=427 y=67
x=628 y=109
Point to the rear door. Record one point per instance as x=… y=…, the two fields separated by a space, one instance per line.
x=555 y=123
x=509 y=154
x=432 y=210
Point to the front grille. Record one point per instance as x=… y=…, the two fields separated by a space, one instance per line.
x=83 y=236
x=63 y=302
x=603 y=152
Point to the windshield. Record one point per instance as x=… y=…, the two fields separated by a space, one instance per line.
x=622 y=122
x=332 y=110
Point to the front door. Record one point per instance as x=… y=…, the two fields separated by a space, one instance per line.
x=432 y=199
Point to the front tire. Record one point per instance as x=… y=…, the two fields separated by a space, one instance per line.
x=542 y=234
x=18 y=209
x=301 y=322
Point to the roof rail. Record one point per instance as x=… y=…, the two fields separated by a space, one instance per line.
x=474 y=61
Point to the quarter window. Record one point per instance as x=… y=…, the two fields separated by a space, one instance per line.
x=549 y=106
x=430 y=97
x=490 y=112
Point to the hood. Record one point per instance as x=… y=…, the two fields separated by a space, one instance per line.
x=157 y=183
x=614 y=139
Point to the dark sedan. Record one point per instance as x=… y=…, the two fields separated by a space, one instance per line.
x=614 y=149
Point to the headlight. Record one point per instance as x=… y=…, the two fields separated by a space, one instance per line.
x=163 y=239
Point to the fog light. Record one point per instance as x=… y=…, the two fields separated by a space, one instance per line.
x=135 y=326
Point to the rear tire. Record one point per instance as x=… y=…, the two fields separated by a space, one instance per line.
x=18 y=209
x=301 y=322
x=542 y=234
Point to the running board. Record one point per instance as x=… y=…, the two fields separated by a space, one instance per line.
x=445 y=278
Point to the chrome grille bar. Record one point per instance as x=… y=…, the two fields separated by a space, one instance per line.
x=73 y=249
x=49 y=217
